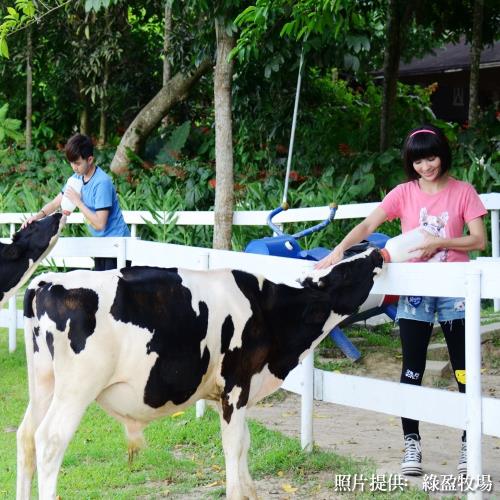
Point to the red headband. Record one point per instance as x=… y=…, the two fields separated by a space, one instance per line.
x=421 y=131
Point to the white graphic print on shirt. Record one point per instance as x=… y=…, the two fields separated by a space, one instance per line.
x=435 y=225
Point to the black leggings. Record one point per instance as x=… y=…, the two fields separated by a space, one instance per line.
x=415 y=337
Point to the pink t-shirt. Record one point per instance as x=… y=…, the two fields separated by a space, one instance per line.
x=443 y=214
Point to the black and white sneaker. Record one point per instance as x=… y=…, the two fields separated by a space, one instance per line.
x=462 y=460
x=412 y=461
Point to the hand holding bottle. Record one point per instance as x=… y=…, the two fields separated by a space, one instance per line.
x=71 y=195
x=415 y=244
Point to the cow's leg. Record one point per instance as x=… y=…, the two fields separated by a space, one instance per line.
x=236 y=441
x=53 y=436
x=25 y=455
x=26 y=451
x=135 y=437
x=41 y=389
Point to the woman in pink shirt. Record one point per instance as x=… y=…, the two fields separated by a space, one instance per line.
x=442 y=206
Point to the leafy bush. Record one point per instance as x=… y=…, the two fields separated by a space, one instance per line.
x=336 y=159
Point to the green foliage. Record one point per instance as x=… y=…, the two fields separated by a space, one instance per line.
x=335 y=160
x=9 y=127
x=17 y=15
x=97 y=5
x=174 y=144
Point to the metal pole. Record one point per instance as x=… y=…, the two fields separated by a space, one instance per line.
x=495 y=245
x=473 y=376
x=294 y=123
x=307 y=399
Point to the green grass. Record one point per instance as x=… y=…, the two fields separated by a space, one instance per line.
x=183 y=453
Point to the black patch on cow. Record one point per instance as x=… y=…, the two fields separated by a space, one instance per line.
x=155 y=299
x=28 y=244
x=349 y=283
x=227 y=409
x=29 y=295
x=36 y=332
x=276 y=334
x=76 y=305
x=286 y=321
x=226 y=334
x=49 y=338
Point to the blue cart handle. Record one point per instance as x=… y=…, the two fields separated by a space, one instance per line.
x=321 y=225
x=276 y=211
x=305 y=232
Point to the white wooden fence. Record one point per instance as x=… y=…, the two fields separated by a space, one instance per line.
x=474 y=280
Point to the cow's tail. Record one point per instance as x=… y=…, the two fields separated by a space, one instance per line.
x=35 y=354
x=30 y=323
x=39 y=344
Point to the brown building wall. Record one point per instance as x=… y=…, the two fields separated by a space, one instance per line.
x=451 y=100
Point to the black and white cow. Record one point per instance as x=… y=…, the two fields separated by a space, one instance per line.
x=145 y=342
x=19 y=259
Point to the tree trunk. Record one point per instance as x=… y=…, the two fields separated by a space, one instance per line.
x=166 y=41
x=475 y=60
x=167 y=30
x=150 y=116
x=103 y=123
x=224 y=192
x=29 y=89
x=397 y=19
x=84 y=114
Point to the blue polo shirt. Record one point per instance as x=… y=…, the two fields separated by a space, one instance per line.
x=98 y=193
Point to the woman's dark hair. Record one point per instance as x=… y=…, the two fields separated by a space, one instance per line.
x=423 y=142
x=79 y=145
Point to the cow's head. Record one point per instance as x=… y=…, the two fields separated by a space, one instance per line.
x=348 y=283
x=19 y=259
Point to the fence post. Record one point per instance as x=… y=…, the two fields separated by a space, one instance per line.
x=201 y=404
x=495 y=245
x=12 y=323
x=306 y=402
x=121 y=253
x=473 y=376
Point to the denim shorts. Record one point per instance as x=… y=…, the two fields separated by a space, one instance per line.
x=427 y=308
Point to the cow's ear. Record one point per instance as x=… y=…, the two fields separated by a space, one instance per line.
x=337 y=278
x=12 y=251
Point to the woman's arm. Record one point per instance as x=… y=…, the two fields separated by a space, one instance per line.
x=357 y=234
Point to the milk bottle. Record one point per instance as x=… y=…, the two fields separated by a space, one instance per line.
x=66 y=205
x=398 y=249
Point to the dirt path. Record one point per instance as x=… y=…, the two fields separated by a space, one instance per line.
x=366 y=434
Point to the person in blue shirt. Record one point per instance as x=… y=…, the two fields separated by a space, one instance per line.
x=97 y=200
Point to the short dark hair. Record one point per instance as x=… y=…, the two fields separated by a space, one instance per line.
x=422 y=142
x=79 y=145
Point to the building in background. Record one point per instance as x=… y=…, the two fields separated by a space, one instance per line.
x=449 y=67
